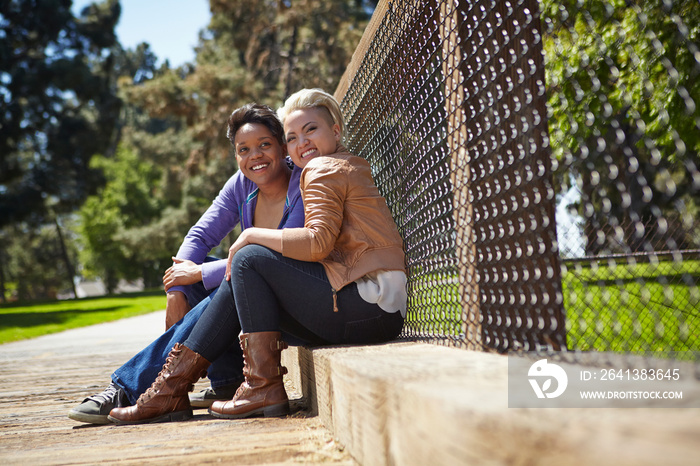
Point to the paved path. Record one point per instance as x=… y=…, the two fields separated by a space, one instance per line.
x=43 y=378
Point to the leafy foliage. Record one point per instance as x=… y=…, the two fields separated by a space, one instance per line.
x=127 y=201
x=69 y=92
x=31 y=261
x=624 y=90
x=58 y=104
x=251 y=51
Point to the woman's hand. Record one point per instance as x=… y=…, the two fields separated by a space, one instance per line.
x=271 y=239
x=182 y=272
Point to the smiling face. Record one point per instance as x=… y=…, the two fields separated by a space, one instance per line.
x=310 y=133
x=259 y=154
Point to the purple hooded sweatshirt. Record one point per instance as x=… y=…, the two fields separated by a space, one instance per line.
x=234 y=204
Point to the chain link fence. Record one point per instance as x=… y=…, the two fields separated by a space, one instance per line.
x=623 y=99
x=541 y=161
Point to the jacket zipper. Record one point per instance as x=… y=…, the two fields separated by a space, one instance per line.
x=335 y=300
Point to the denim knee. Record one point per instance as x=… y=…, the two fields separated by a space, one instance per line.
x=247 y=254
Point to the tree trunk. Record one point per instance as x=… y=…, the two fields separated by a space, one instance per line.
x=2 y=276
x=64 y=254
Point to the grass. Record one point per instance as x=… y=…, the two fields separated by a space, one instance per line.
x=29 y=320
x=634 y=308
x=631 y=308
x=614 y=307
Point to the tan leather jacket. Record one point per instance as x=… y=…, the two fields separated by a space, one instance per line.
x=348 y=226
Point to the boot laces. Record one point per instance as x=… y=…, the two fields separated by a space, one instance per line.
x=155 y=386
x=108 y=395
x=241 y=389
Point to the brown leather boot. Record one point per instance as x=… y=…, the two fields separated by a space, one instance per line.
x=166 y=400
x=263 y=392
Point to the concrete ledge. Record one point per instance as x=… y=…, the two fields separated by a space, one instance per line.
x=419 y=404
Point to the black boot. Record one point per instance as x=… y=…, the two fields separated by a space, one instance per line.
x=95 y=409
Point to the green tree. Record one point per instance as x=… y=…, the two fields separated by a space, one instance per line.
x=58 y=105
x=60 y=77
x=174 y=119
x=251 y=51
x=624 y=95
x=26 y=274
x=126 y=201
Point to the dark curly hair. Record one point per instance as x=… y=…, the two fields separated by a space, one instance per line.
x=254 y=113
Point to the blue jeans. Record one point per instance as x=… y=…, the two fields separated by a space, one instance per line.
x=270 y=292
x=140 y=371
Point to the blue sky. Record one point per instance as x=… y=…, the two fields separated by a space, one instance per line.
x=171 y=27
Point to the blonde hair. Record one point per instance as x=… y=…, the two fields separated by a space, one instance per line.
x=313 y=98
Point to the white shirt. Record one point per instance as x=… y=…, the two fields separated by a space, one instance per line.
x=386 y=288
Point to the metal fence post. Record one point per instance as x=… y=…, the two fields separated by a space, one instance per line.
x=468 y=286
x=510 y=277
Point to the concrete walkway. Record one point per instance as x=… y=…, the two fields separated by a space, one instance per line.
x=43 y=378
